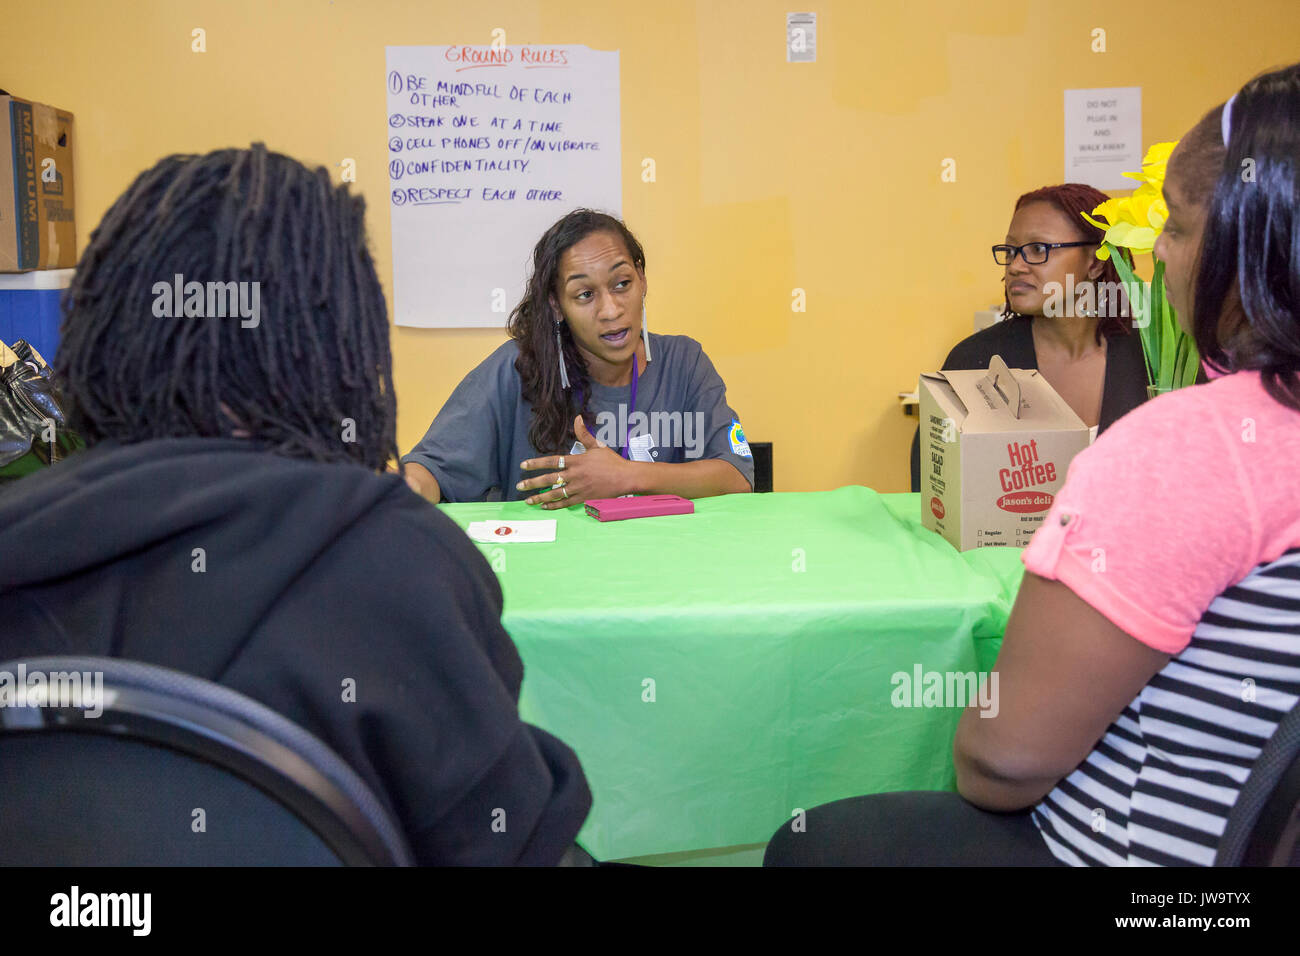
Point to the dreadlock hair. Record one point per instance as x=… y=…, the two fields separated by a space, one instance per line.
x=318 y=355
x=1246 y=303
x=533 y=325
x=1074 y=199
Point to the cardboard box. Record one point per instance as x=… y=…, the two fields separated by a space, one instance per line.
x=37 y=228
x=995 y=447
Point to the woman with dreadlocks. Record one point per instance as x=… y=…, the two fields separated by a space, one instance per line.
x=584 y=394
x=231 y=517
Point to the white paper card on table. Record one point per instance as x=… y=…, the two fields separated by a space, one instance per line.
x=487 y=147
x=1103 y=136
x=499 y=532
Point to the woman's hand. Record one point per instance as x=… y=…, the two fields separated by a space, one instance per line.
x=420 y=480
x=598 y=473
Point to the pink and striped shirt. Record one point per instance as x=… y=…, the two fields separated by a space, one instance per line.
x=1181 y=525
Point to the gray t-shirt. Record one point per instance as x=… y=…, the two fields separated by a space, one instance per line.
x=478 y=439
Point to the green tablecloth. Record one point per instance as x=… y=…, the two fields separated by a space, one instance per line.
x=770 y=627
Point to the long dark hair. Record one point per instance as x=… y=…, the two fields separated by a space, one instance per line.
x=532 y=325
x=318 y=355
x=1252 y=233
x=1074 y=199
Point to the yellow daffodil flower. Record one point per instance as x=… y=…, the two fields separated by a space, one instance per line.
x=1154 y=164
x=1134 y=222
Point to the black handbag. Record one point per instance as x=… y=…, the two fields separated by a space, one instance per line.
x=31 y=417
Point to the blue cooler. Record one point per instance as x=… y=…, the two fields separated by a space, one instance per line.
x=29 y=308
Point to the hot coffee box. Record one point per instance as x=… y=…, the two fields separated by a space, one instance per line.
x=995 y=446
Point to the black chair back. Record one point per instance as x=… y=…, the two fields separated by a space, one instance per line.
x=762 y=452
x=1264 y=824
x=175 y=771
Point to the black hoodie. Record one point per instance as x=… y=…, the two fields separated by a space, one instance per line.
x=284 y=579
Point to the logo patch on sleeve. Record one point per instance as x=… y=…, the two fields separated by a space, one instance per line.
x=738 y=444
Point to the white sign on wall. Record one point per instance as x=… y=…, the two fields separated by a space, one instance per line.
x=1103 y=136
x=487 y=147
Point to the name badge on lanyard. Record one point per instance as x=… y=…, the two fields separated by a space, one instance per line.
x=640 y=448
x=636 y=448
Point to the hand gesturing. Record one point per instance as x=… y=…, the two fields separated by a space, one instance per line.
x=600 y=472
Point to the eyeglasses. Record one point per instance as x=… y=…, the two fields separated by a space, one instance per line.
x=1035 y=253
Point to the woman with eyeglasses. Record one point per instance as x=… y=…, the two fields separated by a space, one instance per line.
x=1081 y=337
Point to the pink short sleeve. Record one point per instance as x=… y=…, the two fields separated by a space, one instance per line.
x=1155 y=519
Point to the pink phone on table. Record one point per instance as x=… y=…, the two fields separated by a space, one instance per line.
x=639 y=506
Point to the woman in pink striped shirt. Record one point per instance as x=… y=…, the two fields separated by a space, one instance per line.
x=1155 y=643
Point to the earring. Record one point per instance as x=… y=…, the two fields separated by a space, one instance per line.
x=1088 y=313
x=645 y=331
x=559 y=350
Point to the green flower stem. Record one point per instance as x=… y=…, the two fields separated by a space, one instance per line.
x=1137 y=307
x=1170 y=354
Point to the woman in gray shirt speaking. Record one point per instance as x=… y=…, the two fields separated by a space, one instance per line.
x=583 y=402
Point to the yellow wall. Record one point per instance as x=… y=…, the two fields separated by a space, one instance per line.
x=770 y=175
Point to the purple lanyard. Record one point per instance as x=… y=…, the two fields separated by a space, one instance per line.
x=627 y=440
